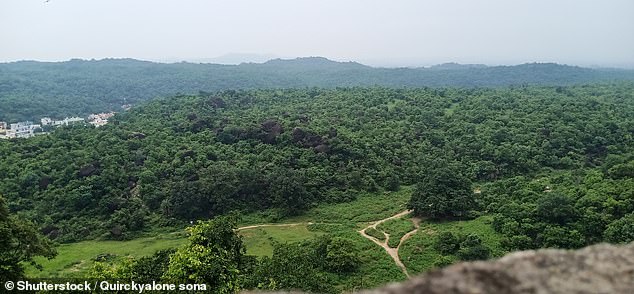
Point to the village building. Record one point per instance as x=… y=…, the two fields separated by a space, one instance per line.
x=99 y=119
x=25 y=129
x=46 y=121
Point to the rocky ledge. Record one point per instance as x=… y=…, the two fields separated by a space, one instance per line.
x=600 y=268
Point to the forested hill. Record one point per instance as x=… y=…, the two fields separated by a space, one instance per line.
x=184 y=158
x=29 y=89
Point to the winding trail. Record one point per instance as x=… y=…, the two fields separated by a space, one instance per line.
x=273 y=225
x=393 y=252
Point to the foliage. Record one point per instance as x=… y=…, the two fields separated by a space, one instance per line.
x=443 y=192
x=419 y=253
x=185 y=158
x=32 y=89
x=471 y=248
x=567 y=209
x=341 y=256
x=20 y=243
x=447 y=243
x=213 y=256
x=143 y=269
x=552 y=166
x=311 y=265
x=375 y=233
x=621 y=230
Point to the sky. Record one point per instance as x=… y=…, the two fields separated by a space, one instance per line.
x=380 y=33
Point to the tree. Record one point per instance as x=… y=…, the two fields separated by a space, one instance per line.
x=213 y=256
x=288 y=191
x=554 y=236
x=556 y=209
x=19 y=244
x=621 y=230
x=392 y=183
x=443 y=192
x=341 y=256
x=473 y=249
x=447 y=243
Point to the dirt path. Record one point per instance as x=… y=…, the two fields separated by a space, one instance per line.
x=273 y=225
x=393 y=252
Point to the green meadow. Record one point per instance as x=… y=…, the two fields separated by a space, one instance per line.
x=342 y=220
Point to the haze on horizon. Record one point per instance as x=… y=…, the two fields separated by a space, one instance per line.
x=379 y=33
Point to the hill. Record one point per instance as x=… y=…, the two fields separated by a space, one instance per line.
x=489 y=170
x=177 y=159
x=30 y=90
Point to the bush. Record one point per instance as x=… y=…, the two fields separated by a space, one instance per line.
x=443 y=261
x=473 y=249
x=447 y=243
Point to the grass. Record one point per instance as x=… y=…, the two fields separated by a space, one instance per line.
x=376 y=267
x=367 y=207
x=342 y=220
x=418 y=254
x=375 y=233
x=259 y=241
x=396 y=228
x=75 y=259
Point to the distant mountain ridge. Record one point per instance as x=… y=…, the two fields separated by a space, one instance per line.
x=31 y=89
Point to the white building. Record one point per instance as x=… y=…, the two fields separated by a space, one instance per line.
x=66 y=121
x=25 y=129
x=46 y=121
x=99 y=119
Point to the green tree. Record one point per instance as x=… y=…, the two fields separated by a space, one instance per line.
x=341 y=256
x=554 y=236
x=288 y=191
x=621 y=230
x=443 y=192
x=213 y=256
x=447 y=243
x=473 y=249
x=556 y=209
x=19 y=244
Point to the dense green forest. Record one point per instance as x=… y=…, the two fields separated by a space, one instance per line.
x=553 y=166
x=30 y=90
x=194 y=157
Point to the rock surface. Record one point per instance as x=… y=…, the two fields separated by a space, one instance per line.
x=596 y=269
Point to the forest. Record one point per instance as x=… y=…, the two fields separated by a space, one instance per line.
x=30 y=90
x=551 y=166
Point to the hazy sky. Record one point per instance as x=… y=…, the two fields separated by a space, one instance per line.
x=386 y=33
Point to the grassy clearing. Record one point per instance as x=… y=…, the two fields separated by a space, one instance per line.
x=75 y=259
x=258 y=241
x=418 y=254
x=366 y=208
x=396 y=228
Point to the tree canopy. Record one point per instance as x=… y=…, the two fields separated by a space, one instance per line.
x=544 y=159
x=20 y=243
